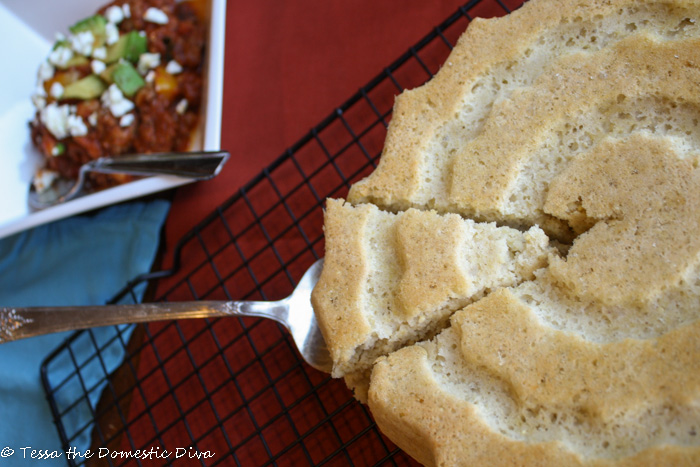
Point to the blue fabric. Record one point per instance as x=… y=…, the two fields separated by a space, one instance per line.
x=82 y=260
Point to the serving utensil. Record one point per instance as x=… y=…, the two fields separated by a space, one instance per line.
x=294 y=312
x=200 y=165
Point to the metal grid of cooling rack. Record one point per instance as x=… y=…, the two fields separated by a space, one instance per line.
x=234 y=391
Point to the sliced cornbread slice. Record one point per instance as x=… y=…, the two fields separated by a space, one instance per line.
x=393 y=279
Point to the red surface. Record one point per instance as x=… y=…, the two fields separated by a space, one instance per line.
x=288 y=65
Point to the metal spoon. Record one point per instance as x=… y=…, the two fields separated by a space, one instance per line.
x=201 y=165
x=294 y=312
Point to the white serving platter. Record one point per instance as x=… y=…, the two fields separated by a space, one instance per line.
x=28 y=29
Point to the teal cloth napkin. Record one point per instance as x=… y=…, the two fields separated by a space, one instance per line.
x=82 y=260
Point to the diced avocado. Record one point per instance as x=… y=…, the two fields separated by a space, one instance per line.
x=129 y=47
x=86 y=88
x=107 y=73
x=75 y=60
x=125 y=76
x=61 y=43
x=96 y=25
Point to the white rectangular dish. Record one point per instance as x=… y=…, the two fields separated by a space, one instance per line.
x=31 y=36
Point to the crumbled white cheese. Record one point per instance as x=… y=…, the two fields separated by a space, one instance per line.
x=40 y=90
x=92 y=119
x=55 y=119
x=181 y=106
x=76 y=126
x=142 y=33
x=116 y=102
x=56 y=90
x=147 y=61
x=60 y=56
x=82 y=42
x=39 y=101
x=46 y=71
x=114 y=14
x=39 y=97
x=100 y=53
x=57 y=150
x=173 y=67
x=60 y=37
x=126 y=120
x=150 y=76
x=155 y=15
x=127 y=10
x=112 y=33
x=97 y=66
x=43 y=179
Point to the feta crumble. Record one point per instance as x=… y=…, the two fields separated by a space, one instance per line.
x=39 y=101
x=55 y=119
x=56 y=90
x=112 y=33
x=127 y=10
x=181 y=106
x=114 y=14
x=97 y=66
x=60 y=56
x=155 y=15
x=150 y=76
x=40 y=90
x=76 y=126
x=82 y=42
x=92 y=119
x=100 y=53
x=46 y=71
x=58 y=150
x=43 y=179
x=173 y=67
x=116 y=102
x=126 y=120
x=148 y=61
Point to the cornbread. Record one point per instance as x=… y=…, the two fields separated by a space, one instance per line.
x=518 y=282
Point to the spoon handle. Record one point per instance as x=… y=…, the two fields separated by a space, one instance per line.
x=20 y=323
x=201 y=165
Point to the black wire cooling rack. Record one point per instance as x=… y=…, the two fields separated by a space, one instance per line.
x=234 y=391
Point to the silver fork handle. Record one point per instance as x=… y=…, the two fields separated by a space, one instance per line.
x=19 y=323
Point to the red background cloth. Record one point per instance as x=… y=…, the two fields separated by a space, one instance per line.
x=287 y=66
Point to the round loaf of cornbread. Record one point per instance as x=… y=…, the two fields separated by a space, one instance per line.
x=518 y=282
